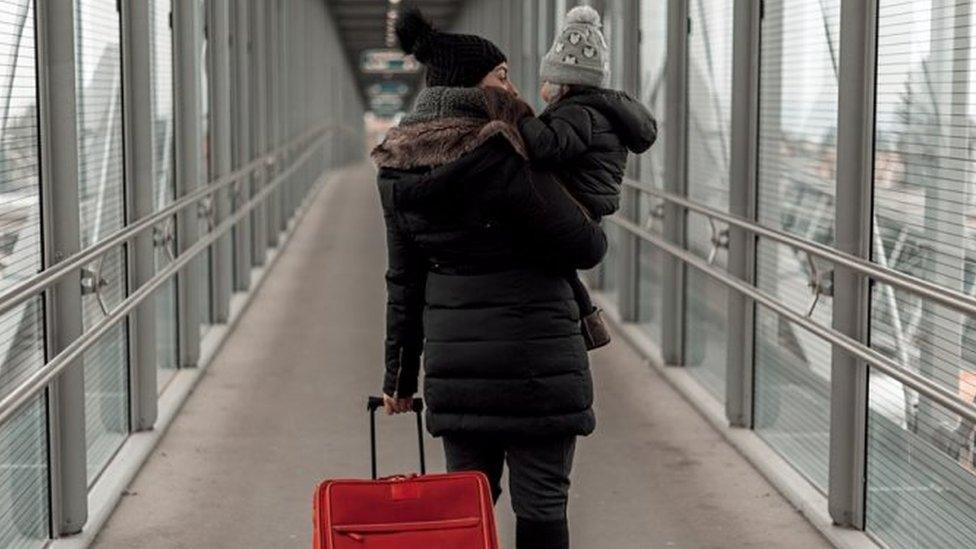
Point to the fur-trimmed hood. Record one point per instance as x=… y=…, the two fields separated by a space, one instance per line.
x=448 y=123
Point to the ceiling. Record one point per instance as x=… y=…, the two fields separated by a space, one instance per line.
x=363 y=26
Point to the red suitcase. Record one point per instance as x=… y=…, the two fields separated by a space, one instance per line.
x=443 y=511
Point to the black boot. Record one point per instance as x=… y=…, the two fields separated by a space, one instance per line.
x=531 y=534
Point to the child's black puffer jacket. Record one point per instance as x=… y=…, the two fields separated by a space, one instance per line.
x=585 y=137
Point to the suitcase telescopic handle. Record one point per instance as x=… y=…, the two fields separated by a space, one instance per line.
x=374 y=403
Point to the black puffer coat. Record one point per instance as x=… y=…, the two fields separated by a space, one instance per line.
x=585 y=137
x=478 y=244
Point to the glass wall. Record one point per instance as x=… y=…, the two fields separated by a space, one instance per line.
x=164 y=183
x=709 y=121
x=796 y=179
x=24 y=479
x=26 y=463
x=101 y=201
x=921 y=488
x=653 y=57
x=23 y=439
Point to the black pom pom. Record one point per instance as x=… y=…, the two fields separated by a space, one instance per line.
x=414 y=32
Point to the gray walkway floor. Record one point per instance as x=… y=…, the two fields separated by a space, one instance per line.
x=282 y=407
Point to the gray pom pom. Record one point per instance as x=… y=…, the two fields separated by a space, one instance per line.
x=583 y=14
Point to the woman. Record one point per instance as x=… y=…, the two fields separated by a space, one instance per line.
x=478 y=244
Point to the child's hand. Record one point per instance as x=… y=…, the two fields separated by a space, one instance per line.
x=523 y=110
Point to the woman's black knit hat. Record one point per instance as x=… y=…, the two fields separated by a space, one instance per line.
x=455 y=60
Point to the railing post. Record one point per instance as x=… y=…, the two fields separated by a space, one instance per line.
x=259 y=123
x=61 y=229
x=673 y=276
x=187 y=34
x=218 y=49
x=852 y=234
x=137 y=118
x=242 y=114
x=742 y=201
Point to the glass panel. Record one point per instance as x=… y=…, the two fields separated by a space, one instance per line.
x=797 y=135
x=709 y=121
x=164 y=184
x=21 y=329
x=653 y=58
x=921 y=470
x=23 y=438
x=99 y=81
x=23 y=476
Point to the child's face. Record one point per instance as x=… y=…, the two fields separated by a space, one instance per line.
x=549 y=92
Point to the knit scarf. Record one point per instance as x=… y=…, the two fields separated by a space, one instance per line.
x=447 y=123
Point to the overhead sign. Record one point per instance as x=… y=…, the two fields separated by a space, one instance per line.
x=387 y=61
x=393 y=87
x=386 y=102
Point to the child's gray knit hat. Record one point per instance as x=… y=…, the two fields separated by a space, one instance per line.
x=579 y=54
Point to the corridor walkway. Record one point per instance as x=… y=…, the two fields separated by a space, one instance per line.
x=282 y=407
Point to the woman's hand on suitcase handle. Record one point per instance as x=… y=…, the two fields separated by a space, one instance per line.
x=397 y=405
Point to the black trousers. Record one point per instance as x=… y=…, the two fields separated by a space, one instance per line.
x=538 y=470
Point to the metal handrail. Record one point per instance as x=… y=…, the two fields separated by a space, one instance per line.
x=946 y=297
x=42 y=280
x=39 y=379
x=923 y=385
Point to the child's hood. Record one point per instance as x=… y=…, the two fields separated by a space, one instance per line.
x=630 y=119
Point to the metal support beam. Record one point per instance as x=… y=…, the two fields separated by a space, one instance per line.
x=852 y=234
x=61 y=229
x=742 y=202
x=257 y=19
x=306 y=35
x=271 y=15
x=628 y=256
x=673 y=273
x=283 y=77
x=187 y=37
x=221 y=155
x=137 y=118
x=241 y=46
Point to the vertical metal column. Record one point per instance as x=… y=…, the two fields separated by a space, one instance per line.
x=137 y=118
x=291 y=108
x=61 y=228
x=218 y=51
x=673 y=276
x=742 y=201
x=259 y=123
x=628 y=256
x=305 y=75
x=284 y=103
x=187 y=35
x=242 y=61
x=852 y=230
x=274 y=130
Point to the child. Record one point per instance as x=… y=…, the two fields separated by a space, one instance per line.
x=585 y=133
